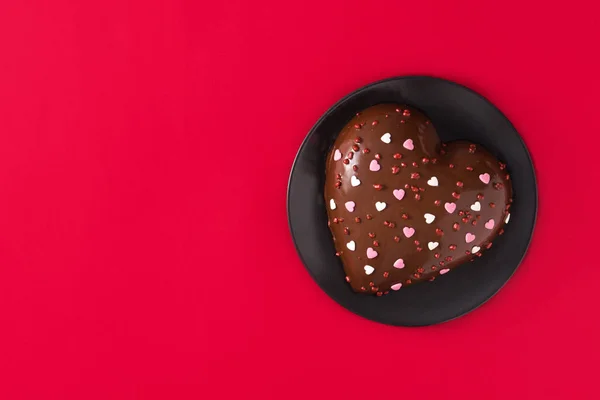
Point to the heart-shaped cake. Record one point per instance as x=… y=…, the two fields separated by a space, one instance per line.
x=402 y=206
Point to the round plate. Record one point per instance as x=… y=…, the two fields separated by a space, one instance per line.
x=457 y=113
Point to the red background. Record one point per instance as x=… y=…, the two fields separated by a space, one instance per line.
x=145 y=148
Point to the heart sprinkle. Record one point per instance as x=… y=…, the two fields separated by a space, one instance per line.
x=490 y=224
x=337 y=155
x=350 y=205
x=332 y=204
x=469 y=237
x=485 y=178
x=444 y=271
x=374 y=166
x=450 y=207
x=369 y=270
x=429 y=218
x=354 y=181
x=351 y=245
x=475 y=249
x=408 y=144
x=507 y=219
x=380 y=206
x=408 y=232
x=432 y=245
x=396 y=286
x=476 y=206
x=371 y=253
x=399 y=193
x=433 y=181
x=399 y=263
x=386 y=138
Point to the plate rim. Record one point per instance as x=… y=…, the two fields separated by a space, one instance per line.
x=332 y=109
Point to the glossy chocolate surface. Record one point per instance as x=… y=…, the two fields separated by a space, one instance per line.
x=403 y=207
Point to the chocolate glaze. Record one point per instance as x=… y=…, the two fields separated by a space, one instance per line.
x=459 y=168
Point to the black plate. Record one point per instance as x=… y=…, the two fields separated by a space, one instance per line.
x=457 y=113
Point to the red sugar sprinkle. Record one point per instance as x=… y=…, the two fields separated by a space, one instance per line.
x=374 y=122
x=420 y=270
x=437 y=255
x=417 y=242
x=396 y=238
x=469 y=168
x=414 y=188
x=498 y=185
x=335 y=220
x=369 y=216
x=358 y=139
x=455 y=226
x=419 y=249
x=366 y=151
x=397 y=156
x=392 y=225
x=456 y=195
x=378 y=156
x=461 y=213
x=448 y=258
x=346 y=161
x=403 y=164
x=452 y=247
x=451 y=165
x=465 y=219
x=404 y=216
x=350 y=156
x=408 y=282
x=374 y=289
x=479 y=196
x=433 y=267
x=338 y=184
x=363 y=289
x=375 y=243
x=437 y=202
x=402 y=121
x=355 y=167
x=425 y=160
x=434 y=160
x=377 y=186
x=492 y=205
x=395 y=169
x=417 y=196
x=347 y=279
x=338 y=176
x=357 y=219
x=398 y=110
x=337 y=254
x=501 y=231
x=487 y=246
x=406 y=113
x=371 y=235
x=459 y=184
x=474 y=222
x=439 y=232
x=386 y=274
x=346 y=231
x=357 y=126
x=355 y=147
x=386 y=223
x=414 y=164
x=442 y=263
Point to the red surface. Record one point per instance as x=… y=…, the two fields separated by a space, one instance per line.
x=134 y=152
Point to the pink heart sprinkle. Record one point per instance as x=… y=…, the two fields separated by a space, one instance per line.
x=450 y=207
x=371 y=253
x=337 y=155
x=350 y=205
x=399 y=263
x=408 y=232
x=485 y=178
x=408 y=144
x=397 y=286
x=374 y=166
x=398 y=193
x=444 y=271
x=469 y=237
x=490 y=224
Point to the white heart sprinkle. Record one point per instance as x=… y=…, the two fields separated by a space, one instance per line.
x=337 y=155
x=354 y=181
x=351 y=245
x=476 y=206
x=475 y=249
x=396 y=286
x=386 y=138
x=369 y=270
x=429 y=218
x=332 y=204
x=432 y=245
x=380 y=206
x=433 y=181
x=506 y=219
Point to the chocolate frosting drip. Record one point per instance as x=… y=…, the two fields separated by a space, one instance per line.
x=402 y=206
